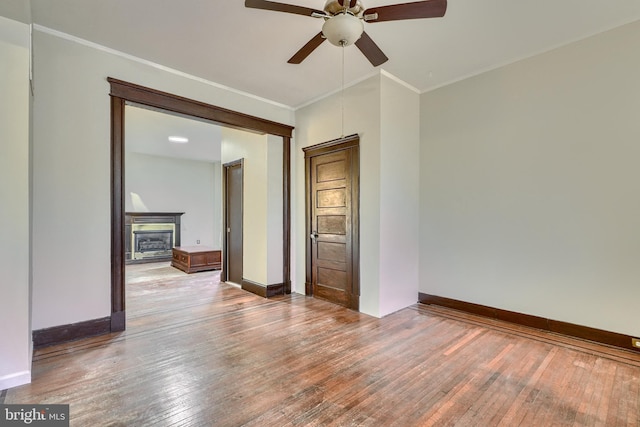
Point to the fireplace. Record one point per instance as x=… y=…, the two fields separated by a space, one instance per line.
x=152 y=240
x=151 y=236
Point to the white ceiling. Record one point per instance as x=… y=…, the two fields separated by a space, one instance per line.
x=247 y=49
x=147 y=131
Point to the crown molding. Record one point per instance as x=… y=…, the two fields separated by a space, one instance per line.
x=155 y=65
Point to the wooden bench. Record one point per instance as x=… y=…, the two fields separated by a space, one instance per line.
x=191 y=259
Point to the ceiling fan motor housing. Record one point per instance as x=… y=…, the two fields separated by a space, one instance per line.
x=344 y=19
x=334 y=7
x=343 y=29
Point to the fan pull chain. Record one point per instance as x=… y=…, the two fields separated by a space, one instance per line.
x=342 y=93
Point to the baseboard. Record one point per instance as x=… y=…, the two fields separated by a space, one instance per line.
x=118 y=321
x=577 y=331
x=262 y=290
x=14 y=380
x=276 y=289
x=75 y=331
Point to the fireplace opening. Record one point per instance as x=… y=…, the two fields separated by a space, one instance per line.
x=151 y=236
x=152 y=241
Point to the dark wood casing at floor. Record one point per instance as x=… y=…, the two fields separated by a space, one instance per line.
x=71 y=332
x=577 y=331
x=116 y=322
x=263 y=291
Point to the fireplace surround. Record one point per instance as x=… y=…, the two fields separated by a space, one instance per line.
x=151 y=236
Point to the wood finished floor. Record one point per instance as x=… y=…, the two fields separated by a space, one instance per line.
x=201 y=353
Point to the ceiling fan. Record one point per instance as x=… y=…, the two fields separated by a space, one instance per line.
x=344 y=19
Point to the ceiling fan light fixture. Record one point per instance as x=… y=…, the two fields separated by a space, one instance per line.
x=343 y=29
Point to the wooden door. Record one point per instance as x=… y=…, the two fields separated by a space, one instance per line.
x=332 y=196
x=232 y=253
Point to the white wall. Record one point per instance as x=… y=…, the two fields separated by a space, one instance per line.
x=262 y=202
x=530 y=184
x=15 y=331
x=275 y=254
x=399 y=195
x=385 y=114
x=251 y=147
x=217 y=210
x=163 y=184
x=71 y=182
x=321 y=122
x=17 y=10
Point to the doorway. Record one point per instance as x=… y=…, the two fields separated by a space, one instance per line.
x=121 y=93
x=332 y=195
x=233 y=214
x=173 y=198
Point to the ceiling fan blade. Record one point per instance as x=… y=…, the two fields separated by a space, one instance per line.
x=415 y=10
x=282 y=7
x=371 y=50
x=307 y=49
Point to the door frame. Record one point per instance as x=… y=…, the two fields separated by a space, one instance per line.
x=225 y=202
x=122 y=93
x=349 y=142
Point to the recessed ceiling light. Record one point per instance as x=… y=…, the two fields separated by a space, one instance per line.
x=179 y=139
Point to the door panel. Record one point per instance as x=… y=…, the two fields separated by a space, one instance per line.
x=332 y=198
x=335 y=279
x=332 y=252
x=331 y=205
x=332 y=224
x=331 y=171
x=233 y=221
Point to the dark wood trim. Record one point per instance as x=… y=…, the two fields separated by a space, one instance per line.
x=177 y=104
x=522 y=319
x=333 y=145
x=577 y=331
x=263 y=291
x=225 y=167
x=354 y=145
x=117 y=210
x=254 y=288
x=468 y=307
x=592 y=334
x=118 y=321
x=308 y=285
x=351 y=142
x=71 y=332
x=286 y=214
x=122 y=92
x=276 y=289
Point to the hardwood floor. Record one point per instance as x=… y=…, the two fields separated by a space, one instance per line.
x=201 y=353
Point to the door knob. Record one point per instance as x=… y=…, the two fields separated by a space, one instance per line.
x=314 y=235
